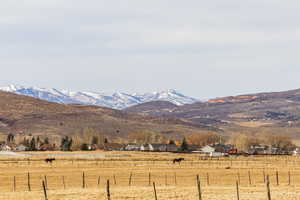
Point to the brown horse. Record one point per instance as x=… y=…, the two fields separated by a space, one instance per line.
x=49 y=160
x=178 y=160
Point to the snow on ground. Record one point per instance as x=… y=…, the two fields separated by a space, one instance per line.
x=11 y=153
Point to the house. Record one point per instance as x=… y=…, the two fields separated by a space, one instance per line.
x=5 y=147
x=207 y=149
x=194 y=148
x=132 y=147
x=157 y=147
x=113 y=147
x=145 y=147
x=163 y=147
x=223 y=148
x=171 y=148
x=259 y=150
x=21 y=147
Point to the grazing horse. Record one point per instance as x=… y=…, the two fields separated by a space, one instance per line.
x=49 y=160
x=178 y=160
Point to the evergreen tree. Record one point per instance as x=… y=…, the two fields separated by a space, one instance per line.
x=95 y=140
x=184 y=145
x=105 y=140
x=32 y=146
x=10 y=138
x=66 y=143
x=46 y=141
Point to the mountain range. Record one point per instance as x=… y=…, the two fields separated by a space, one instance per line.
x=25 y=116
x=273 y=112
x=117 y=100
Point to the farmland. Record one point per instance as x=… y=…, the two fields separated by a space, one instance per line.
x=79 y=175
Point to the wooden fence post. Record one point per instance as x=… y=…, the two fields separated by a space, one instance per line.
x=264 y=174
x=46 y=182
x=207 y=179
x=83 y=180
x=149 y=179
x=108 y=190
x=237 y=190
x=154 y=188
x=277 y=178
x=175 y=178
x=199 y=188
x=99 y=179
x=28 y=182
x=45 y=191
x=166 y=180
x=289 y=178
x=268 y=188
x=239 y=177
x=63 y=180
x=249 y=177
x=15 y=184
x=115 y=181
x=130 y=177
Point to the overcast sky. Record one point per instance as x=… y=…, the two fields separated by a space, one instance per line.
x=204 y=49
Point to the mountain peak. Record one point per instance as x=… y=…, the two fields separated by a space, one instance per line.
x=117 y=100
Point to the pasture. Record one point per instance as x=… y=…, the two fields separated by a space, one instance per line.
x=131 y=175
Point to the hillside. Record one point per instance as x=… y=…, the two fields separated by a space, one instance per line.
x=26 y=115
x=152 y=107
x=276 y=112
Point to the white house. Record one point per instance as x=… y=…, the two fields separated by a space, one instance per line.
x=21 y=147
x=207 y=149
x=132 y=147
x=5 y=147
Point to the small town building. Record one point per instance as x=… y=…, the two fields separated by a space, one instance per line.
x=5 y=147
x=207 y=149
x=132 y=147
x=21 y=147
x=113 y=147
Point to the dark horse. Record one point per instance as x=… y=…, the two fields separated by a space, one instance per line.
x=178 y=160
x=49 y=160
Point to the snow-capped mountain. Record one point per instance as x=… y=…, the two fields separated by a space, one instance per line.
x=116 y=100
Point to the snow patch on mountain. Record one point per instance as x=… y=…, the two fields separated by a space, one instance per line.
x=118 y=100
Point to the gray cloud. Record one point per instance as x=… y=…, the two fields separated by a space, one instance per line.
x=204 y=49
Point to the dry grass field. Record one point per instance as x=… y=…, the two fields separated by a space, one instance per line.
x=83 y=176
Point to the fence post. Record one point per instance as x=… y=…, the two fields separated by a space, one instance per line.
x=15 y=185
x=207 y=179
x=108 y=190
x=175 y=178
x=64 y=184
x=115 y=181
x=45 y=191
x=249 y=177
x=46 y=182
x=166 y=180
x=239 y=177
x=83 y=180
x=277 y=178
x=130 y=177
x=268 y=188
x=199 y=188
x=149 y=179
x=264 y=174
x=289 y=178
x=28 y=182
x=155 y=194
x=237 y=190
x=98 y=183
